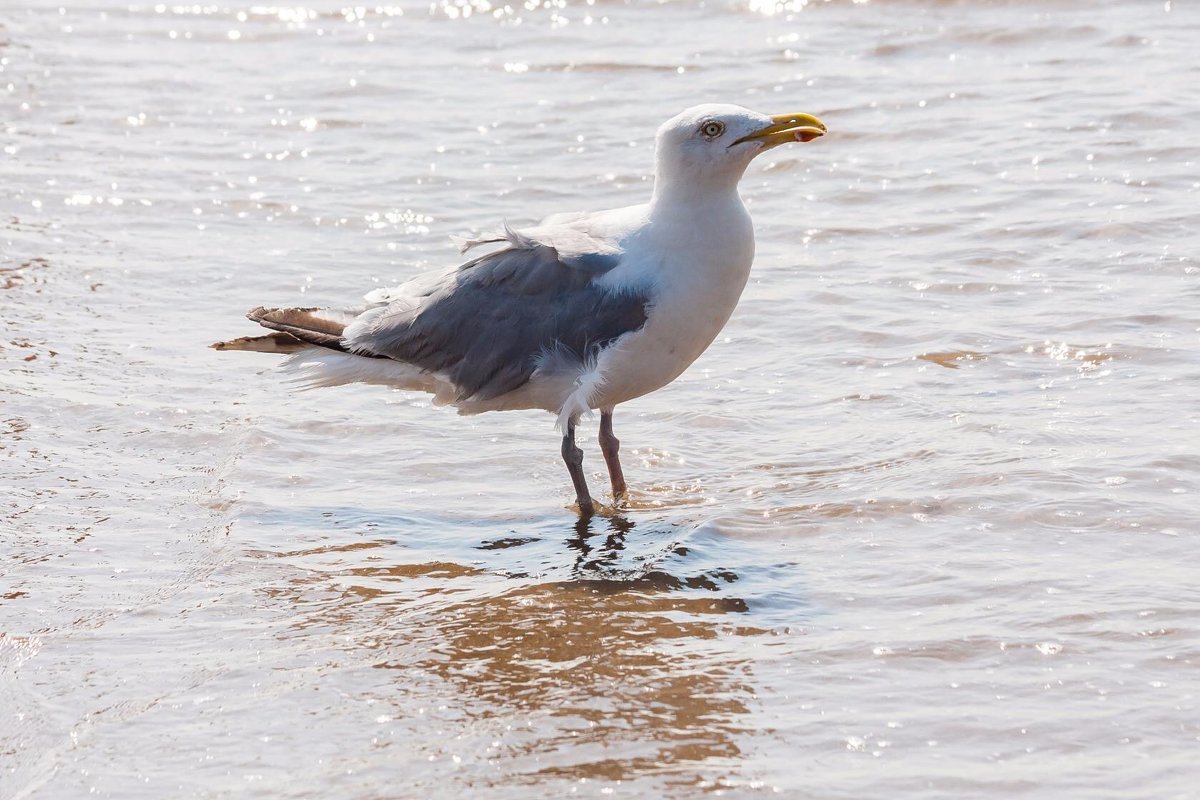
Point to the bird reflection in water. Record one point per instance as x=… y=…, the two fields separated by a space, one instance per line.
x=609 y=551
x=621 y=670
x=601 y=568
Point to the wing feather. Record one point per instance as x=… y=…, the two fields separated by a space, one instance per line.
x=486 y=326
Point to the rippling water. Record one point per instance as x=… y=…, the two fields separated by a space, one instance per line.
x=921 y=523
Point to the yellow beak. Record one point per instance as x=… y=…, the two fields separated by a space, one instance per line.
x=787 y=128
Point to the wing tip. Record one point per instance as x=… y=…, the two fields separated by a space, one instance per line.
x=276 y=342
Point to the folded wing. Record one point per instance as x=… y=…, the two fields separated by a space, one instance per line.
x=487 y=326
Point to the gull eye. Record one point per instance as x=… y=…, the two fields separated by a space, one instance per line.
x=712 y=129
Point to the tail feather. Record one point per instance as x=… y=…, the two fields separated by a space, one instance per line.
x=319 y=326
x=278 y=342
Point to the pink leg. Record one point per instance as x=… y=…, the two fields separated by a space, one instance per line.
x=610 y=446
x=573 y=457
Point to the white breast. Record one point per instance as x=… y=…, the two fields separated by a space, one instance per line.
x=698 y=266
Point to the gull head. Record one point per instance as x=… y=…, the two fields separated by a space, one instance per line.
x=708 y=147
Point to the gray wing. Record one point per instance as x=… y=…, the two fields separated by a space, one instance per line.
x=487 y=325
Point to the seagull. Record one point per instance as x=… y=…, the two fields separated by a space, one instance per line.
x=583 y=311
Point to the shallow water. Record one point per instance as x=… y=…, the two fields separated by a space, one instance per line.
x=922 y=522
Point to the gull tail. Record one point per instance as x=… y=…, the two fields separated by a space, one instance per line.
x=314 y=339
x=319 y=326
x=278 y=342
x=318 y=355
x=297 y=328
